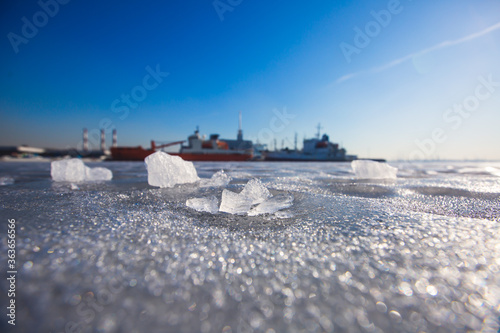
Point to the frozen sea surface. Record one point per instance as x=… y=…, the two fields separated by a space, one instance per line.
x=420 y=253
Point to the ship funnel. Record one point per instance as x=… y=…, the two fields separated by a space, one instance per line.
x=103 y=141
x=115 y=142
x=85 y=140
x=240 y=132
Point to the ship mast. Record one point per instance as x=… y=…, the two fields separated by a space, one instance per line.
x=318 y=135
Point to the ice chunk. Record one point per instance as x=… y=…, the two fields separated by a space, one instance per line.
x=71 y=170
x=209 y=204
x=165 y=170
x=97 y=174
x=376 y=170
x=272 y=205
x=74 y=170
x=6 y=180
x=255 y=191
x=219 y=179
x=235 y=203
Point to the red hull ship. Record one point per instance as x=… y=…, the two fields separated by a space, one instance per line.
x=196 y=150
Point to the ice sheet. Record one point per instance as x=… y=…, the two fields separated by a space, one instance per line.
x=165 y=170
x=419 y=254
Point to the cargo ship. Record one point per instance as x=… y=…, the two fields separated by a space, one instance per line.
x=314 y=150
x=197 y=149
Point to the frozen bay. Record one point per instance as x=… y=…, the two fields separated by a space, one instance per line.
x=416 y=253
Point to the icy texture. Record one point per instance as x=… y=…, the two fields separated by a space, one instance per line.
x=210 y=204
x=6 y=180
x=74 y=170
x=373 y=170
x=219 y=179
x=234 y=203
x=165 y=170
x=418 y=255
x=272 y=205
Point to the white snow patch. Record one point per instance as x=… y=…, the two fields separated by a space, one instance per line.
x=209 y=204
x=165 y=170
x=75 y=171
x=365 y=169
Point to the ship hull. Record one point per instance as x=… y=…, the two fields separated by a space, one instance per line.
x=139 y=154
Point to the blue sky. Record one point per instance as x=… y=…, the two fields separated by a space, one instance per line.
x=421 y=83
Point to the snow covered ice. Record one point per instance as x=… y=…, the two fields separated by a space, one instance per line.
x=165 y=170
x=419 y=253
x=373 y=170
x=74 y=170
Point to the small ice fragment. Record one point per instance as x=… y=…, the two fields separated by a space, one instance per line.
x=72 y=170
x=272 y=205
x=219 y=179
x=375 y=170
x=255 y=191
x=6 y=180
x=165 y=170
x=235 y=203
x=97 y=174
x=74 y=186
x=209 y=204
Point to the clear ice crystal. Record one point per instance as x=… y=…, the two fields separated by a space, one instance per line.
x=165 y=170
x=272 y=205
x=208 y=204
x=255 y=191
x=365 y=169
x=74 y=170
x=235 y=203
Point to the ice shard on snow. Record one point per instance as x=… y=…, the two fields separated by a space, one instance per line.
x=165 y=170
x=209 y=204
x=74 y=170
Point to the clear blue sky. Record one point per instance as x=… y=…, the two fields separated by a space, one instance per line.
x=380 y=94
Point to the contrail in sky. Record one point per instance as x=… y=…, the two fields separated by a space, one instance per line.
x=419 y=53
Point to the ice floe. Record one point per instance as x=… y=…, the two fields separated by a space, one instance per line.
x=165 y=170
x=74 y=170
x=365 y=169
